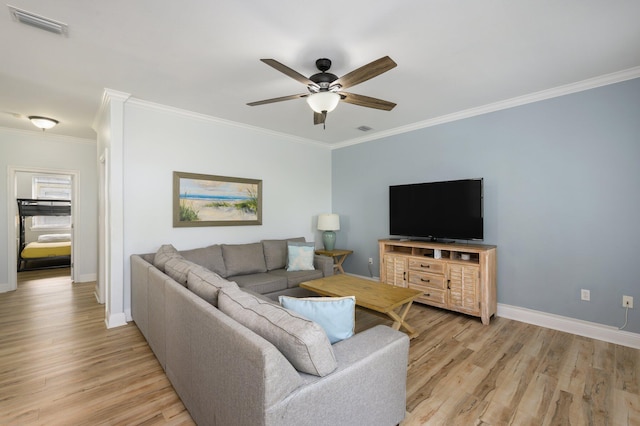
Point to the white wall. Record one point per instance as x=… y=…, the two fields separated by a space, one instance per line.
x=45 y=151
x=296 y=178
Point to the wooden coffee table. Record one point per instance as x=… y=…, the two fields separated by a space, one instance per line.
x=389 y=300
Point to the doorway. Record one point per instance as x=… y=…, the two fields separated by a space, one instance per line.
x=29 y=182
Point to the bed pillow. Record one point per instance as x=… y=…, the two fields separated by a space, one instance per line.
x=54 y=238
x=303 y=342
x=336 y=315
x=300 y=256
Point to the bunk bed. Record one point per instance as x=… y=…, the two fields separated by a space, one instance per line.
x=50 y=251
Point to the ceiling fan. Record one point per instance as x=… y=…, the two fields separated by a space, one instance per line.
x=326 y=89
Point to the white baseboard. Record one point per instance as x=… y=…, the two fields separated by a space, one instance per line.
x=127 y=314
x=95 y=294
x=87 y=278
x=115 y=320
x=570 y=325
x=557 y=322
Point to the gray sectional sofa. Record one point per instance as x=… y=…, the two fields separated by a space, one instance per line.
x=259 y=267
x=236 y=357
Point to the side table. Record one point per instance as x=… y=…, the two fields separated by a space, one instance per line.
x=338 y=257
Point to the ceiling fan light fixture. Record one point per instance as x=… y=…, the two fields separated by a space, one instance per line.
x=43 y=123
x=323 y=101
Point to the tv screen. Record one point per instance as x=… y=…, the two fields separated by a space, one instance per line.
x=450 y=209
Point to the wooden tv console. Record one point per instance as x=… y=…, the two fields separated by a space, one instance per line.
x=463 y=279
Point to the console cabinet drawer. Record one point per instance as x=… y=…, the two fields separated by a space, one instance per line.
x=424 y=279
x=425 y=265
x=432 y=296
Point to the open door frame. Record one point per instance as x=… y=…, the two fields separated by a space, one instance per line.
x=12 y=212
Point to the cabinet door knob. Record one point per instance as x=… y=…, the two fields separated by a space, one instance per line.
x=428 y=294
x=425 y=281
x=425 y=266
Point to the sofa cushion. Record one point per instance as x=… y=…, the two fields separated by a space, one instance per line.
x=178 y=268
x=336 y=315
x=206 y=283
x=242 y=259
x=294 y=278
x=164 y=253
x=275 y=252
x=303 y=342
x=262 y=283
x=210 y=257
x=300 y=256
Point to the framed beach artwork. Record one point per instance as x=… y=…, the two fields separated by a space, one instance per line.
x=207 y=200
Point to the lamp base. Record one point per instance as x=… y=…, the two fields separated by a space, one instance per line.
x=329 y=240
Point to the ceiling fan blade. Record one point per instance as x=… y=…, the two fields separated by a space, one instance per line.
x=288 y=71
x=280 y=99
x=366 y=101
x=318 y=117
x=366 y=72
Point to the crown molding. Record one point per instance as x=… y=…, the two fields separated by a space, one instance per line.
x=48 y=135
x=211 y=119
x=108 y=96
x=567 y=89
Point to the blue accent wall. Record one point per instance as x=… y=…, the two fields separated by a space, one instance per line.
x=561 y=196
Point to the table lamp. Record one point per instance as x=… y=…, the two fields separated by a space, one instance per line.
x=328 y=222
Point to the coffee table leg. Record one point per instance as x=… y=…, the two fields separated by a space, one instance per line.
x=399 y=320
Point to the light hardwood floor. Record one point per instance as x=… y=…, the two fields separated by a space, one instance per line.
x=60 y=365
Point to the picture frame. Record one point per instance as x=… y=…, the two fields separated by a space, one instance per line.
x=211 y=200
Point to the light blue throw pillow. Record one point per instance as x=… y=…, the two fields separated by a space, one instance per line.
x=300 y=256
x=336 y=315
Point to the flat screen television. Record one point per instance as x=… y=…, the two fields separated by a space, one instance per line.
x=437 y=210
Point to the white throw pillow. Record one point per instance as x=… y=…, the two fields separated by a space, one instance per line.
x=336 y=315
x=300 y=256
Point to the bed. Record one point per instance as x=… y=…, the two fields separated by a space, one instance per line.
x=50 y=250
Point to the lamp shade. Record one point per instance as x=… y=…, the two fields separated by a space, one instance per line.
x=323 y=101
x=43 y=122
x=328 y=222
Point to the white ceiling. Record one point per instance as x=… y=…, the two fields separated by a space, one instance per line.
x=203 y=56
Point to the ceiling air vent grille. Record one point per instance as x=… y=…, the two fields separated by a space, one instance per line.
x=38 y=21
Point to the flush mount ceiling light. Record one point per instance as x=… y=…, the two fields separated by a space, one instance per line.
x=43 y=123
x=38 y=21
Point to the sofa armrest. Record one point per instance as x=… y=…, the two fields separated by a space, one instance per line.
x=139 y=293
x=324 y=264
x=368 y=387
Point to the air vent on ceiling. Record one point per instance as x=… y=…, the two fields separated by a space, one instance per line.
x=38 y=21
x=364 y=128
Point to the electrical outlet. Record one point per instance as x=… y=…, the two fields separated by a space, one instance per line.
x=585 y=295
x=371 y=261
x=627 y=301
